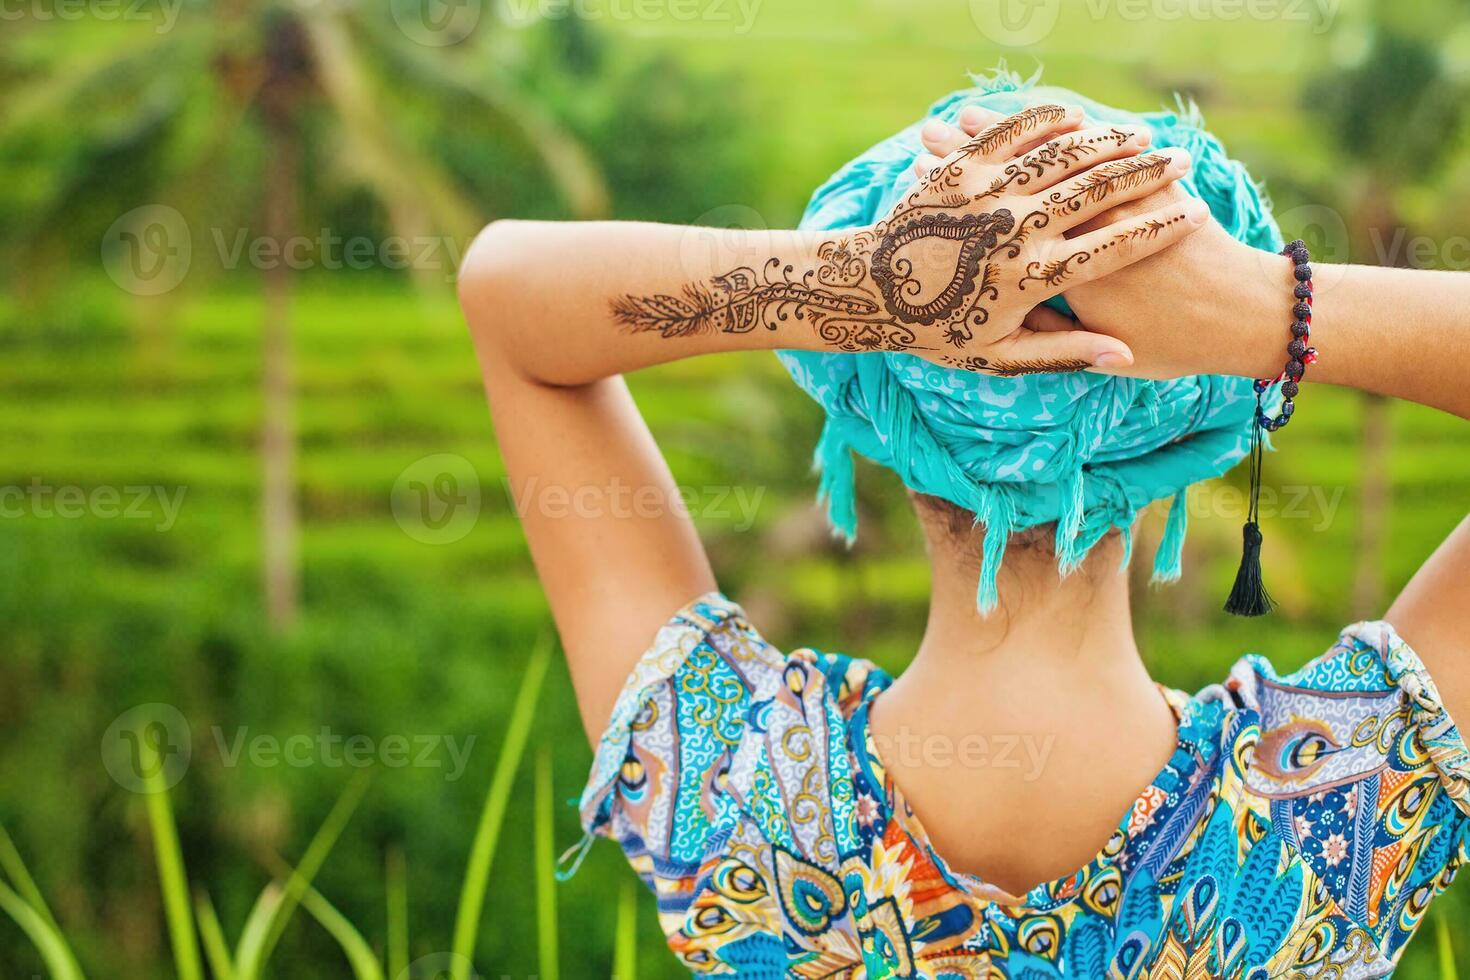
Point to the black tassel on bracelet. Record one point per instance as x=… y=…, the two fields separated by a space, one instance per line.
x=1249 y=596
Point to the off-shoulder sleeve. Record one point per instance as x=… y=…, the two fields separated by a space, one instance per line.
x=656 y=785
x=1441 y=740
x=1366 y=775
x=725 y=778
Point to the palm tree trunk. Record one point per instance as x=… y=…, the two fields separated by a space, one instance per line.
x=278 y=435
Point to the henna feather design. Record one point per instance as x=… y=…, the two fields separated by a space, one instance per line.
x=1105 y=180
x=739 y=301
x=1014 y=369
x=1052 y=273
x=1012 y=128
x=670 y=316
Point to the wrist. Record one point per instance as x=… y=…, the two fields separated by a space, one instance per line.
x=1250 y=300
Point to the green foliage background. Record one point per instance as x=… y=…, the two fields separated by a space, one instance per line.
x=687 y=121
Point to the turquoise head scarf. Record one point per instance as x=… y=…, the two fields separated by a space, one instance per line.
x=1087 y=451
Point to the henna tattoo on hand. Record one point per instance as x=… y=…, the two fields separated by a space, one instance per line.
x=1014 y=369
x=742 y=299
x=899 y=280
x=1107 y=180
x=1062 y=153
x=1056 y=272
x=938 y=261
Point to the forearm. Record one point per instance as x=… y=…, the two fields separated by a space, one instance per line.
x=1398 y=332
x=569 y=303
x=952 y=273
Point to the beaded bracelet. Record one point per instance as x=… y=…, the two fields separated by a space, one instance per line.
x=1249 y=597
x=1299 y=351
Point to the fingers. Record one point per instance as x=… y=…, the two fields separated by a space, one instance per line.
x=1071 y=153
x=1003 y=139
x=1029 y=145
x=974 y=118
x=1172 y=194
x=1046 y=318
x=1056 y=351
x=926 y=163
x=941 y=139
x=1105 y=251
x=1107 y=185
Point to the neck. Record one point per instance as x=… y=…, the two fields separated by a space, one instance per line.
x=1051 y=692
x=1056 y=640
x=1084 y=617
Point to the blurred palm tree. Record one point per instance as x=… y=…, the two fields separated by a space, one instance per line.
x=1393 y=115
x=207 y=105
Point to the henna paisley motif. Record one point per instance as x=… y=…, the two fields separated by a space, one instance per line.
x=895 y=277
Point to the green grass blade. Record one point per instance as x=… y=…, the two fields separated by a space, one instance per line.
x=46 y=937
x=296 y=885
x=20 y=877
x=359 y=954
x=625 y=942
x=396 y=874
x=1446 y=946
x=257 y=928
x=216 y=948
x=482 y=851
x=544 y=853
x=172 y=880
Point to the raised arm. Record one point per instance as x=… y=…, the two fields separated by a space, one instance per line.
x=1219 y=306
x=559 y=311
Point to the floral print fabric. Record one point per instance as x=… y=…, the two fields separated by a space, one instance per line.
x=1300 y=829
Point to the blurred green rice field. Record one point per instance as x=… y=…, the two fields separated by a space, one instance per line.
x=401 y=638
x=408 y=638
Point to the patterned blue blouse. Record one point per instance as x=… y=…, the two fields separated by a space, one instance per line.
x=1300 y=829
